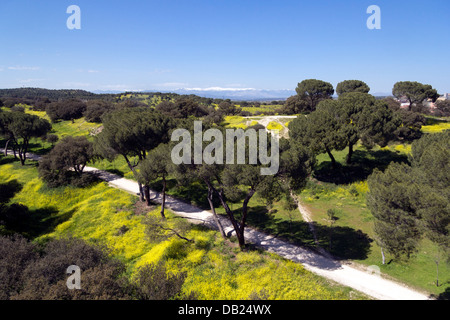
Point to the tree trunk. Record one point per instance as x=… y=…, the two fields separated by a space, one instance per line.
x=382 y=256
x=163 y=203
x=146 y=192
x=233 y=221
x=6 y=147
x=333 y=160
x=22 y=156
x=241 y=239
x=14 y=150
x=437 y=273
x=350 y=153
x=141 y=189
x=213 y=210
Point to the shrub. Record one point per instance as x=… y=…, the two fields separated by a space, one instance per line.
x=66 y=110
x=65 y=163
x=153 y=283
x=96 y=109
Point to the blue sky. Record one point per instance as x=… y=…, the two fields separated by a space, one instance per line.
x=165 y=45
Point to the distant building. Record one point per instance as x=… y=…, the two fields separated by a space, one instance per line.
x=446 y=96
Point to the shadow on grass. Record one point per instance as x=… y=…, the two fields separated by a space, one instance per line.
x=17 y=218
x=116 y=172
x=444 y=295
x=8 y=190
x=346 y=243
x=193 y=193
x=7 y=160
x=37 y=148
x=364 y=163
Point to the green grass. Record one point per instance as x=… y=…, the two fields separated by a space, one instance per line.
x=346 y=194
x=236 y=122
x=349 y=201
x=262 y=109
x=79 y=127
x=216 y=269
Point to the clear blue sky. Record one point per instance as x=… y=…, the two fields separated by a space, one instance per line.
x=164 y=45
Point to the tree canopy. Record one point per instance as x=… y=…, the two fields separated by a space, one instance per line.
x=414 y=92
x=410 y=202
x=131 y=133
x=313 y=91
x=352 y=86
x=20 y=127
x=66 y=162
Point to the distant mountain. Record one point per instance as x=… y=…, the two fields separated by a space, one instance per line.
x=382 y=94
x=237 y=93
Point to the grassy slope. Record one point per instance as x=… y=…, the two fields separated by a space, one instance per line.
x=216 y=268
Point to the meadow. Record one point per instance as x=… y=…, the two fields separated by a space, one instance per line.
x=350 y=237
x=216 y=269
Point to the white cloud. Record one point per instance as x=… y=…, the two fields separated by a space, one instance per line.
x=117 y=87
x=23 y=68
x=30 y=80
x=219 y=89
x=171 y=85
x=93 y=71
x=76 y=85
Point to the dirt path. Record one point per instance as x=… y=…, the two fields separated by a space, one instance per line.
x=362 y=280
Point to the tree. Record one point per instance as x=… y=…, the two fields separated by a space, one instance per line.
x=207 y=174
x=240 y=182
x=414 y=92
x=69 y=109
x=95 y=110
x=294 y=105
x=313 y=91
x=442 y=108
x=352 y=86
x=320 y=131
x=363 y=117
x=227 y=108
x=21 y=127
x=411 y=125
x=66 y=162
x=52 y=138
x=131 y=133
x=182 y=108
x=411 y=201
x=341 y=123
x=157 y=165
x=250 y=180
x=391 y=201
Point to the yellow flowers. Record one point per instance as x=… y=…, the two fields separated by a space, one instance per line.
x=275 y=126
x=216 y=269
x=435 y=128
